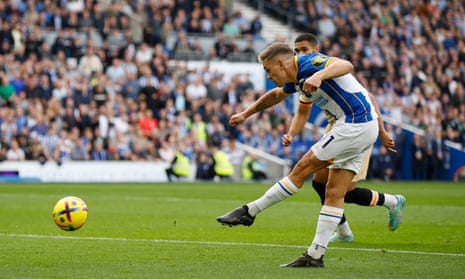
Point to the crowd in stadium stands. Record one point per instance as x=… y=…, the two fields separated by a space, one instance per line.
x=91 y=80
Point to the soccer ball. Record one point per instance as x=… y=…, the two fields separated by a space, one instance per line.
x=70 y=213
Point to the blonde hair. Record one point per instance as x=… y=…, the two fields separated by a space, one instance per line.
x=275 y=50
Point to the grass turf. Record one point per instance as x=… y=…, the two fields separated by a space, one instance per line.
x=169 y=231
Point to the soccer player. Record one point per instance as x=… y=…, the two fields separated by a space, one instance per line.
x=327 y=82
x=308 y=43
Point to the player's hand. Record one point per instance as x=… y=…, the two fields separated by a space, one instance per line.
x=312 y=83
x=287 y=139
x=237 y=119
x=387 y=142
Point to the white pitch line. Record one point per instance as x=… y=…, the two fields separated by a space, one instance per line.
x=225 y=243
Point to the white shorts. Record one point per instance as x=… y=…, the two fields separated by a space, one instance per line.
x=345 y=144
x=362 y=175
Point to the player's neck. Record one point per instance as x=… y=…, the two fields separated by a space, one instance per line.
x=292 y=70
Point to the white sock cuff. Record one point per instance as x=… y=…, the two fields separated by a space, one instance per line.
x=287 y=186
x=332 y=211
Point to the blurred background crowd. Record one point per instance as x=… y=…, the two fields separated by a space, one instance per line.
x=99 y=80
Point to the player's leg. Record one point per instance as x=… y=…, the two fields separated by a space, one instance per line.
x=368 y=197
x=320 y=178
x=344 y=144
x=330 y=215
x=281 y=190
x=343 y=233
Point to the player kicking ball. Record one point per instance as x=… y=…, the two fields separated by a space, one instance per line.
x=308 y=43
x=326 y=82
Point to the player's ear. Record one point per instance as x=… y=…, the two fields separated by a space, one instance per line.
x=281 y=65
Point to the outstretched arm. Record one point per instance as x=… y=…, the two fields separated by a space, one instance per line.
x=385 y=138
x=269 y=99
x=297 y=124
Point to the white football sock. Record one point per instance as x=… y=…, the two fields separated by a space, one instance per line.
x=279 y=191
x=390 y=201
x=344 y=229
x=328 y=220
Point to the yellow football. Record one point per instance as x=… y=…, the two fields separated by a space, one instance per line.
x=70 y=213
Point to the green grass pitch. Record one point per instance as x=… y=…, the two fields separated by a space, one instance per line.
x=169 y=231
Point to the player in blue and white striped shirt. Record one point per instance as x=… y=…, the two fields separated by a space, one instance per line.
x=326 y=82
x=307 y=43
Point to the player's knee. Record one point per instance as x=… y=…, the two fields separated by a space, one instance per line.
x=297 y=178
x=334 y=194
x=307 y=165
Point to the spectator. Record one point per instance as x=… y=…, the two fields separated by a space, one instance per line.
x=50 y=143
x=252 y=168
x=99 y=153
x=83 y=118
x=207 y=20
x=45 y=87
x=222 y=165
x=214 y=92
x=222 y=47
x=196 y=90
x=3 y=150
x=215 y=131
x=99 y=92
x=235 y=154
x=436 y=150
x=418 y=158
x=81 y=147
x=131 y=87
x=147 y=123
x=64 y=148
x=21 y=121
x=90 y=63
x=385 y=165
x=143 y=54
x=115 y=71
x=150 y=86
x=9 y=129
x=179 y=166
x=166 y=150
x=199 y=128
x=6 y=89
x=17 y=81
x=326 y=26
x=204 y=169
x=15 y=153
x=183 y=47
x=256 y=27
x=231 y=28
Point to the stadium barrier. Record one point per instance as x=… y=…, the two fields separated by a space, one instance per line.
x=276 y=167
x=118 y=171
x=86 y=171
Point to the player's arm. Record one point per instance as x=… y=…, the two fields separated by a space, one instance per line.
x=385 y=138
x=297 y=123
x=269 y=99
x=334 y=67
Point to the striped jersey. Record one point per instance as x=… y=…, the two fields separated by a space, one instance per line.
x=343 y=98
